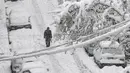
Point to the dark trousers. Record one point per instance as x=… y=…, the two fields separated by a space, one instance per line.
x=48 y=40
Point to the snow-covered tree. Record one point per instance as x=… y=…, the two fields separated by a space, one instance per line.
x=82 y=18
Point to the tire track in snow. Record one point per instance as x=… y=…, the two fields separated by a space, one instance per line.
x=81 y=66
x=87 y=62
x=54 y=62
x=57 y=67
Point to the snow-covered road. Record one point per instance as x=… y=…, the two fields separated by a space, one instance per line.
x=58 y=63
x=79 y=62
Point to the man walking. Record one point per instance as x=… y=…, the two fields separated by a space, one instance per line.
x=47 y=36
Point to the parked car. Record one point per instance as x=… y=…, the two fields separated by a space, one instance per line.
x=28 y=67
x=17 y=16
x=109 y=53
x=89 y=48
x=33 y=67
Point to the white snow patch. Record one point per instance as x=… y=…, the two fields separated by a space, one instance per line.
x=88 y=62
x=112 y=69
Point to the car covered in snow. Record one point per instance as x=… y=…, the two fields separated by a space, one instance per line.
x=19 y=26
x=18 y=16
x=28 y=67
x=34 y=67
x=109 y=53
x=89 y=48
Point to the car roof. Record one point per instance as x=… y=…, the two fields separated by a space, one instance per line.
x=113 y=44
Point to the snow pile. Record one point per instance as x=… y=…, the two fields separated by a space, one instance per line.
x=112 y=69
x=126 y=70
x=48 y=64
x=64 y=62
x=37 y=67
x=67 y=62
x=5 y=67
x=29 y=65
x=87 y=61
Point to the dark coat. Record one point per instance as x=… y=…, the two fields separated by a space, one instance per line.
x=47 y=34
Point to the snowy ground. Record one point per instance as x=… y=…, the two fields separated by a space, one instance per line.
x=79 y=62
x=33 y=40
